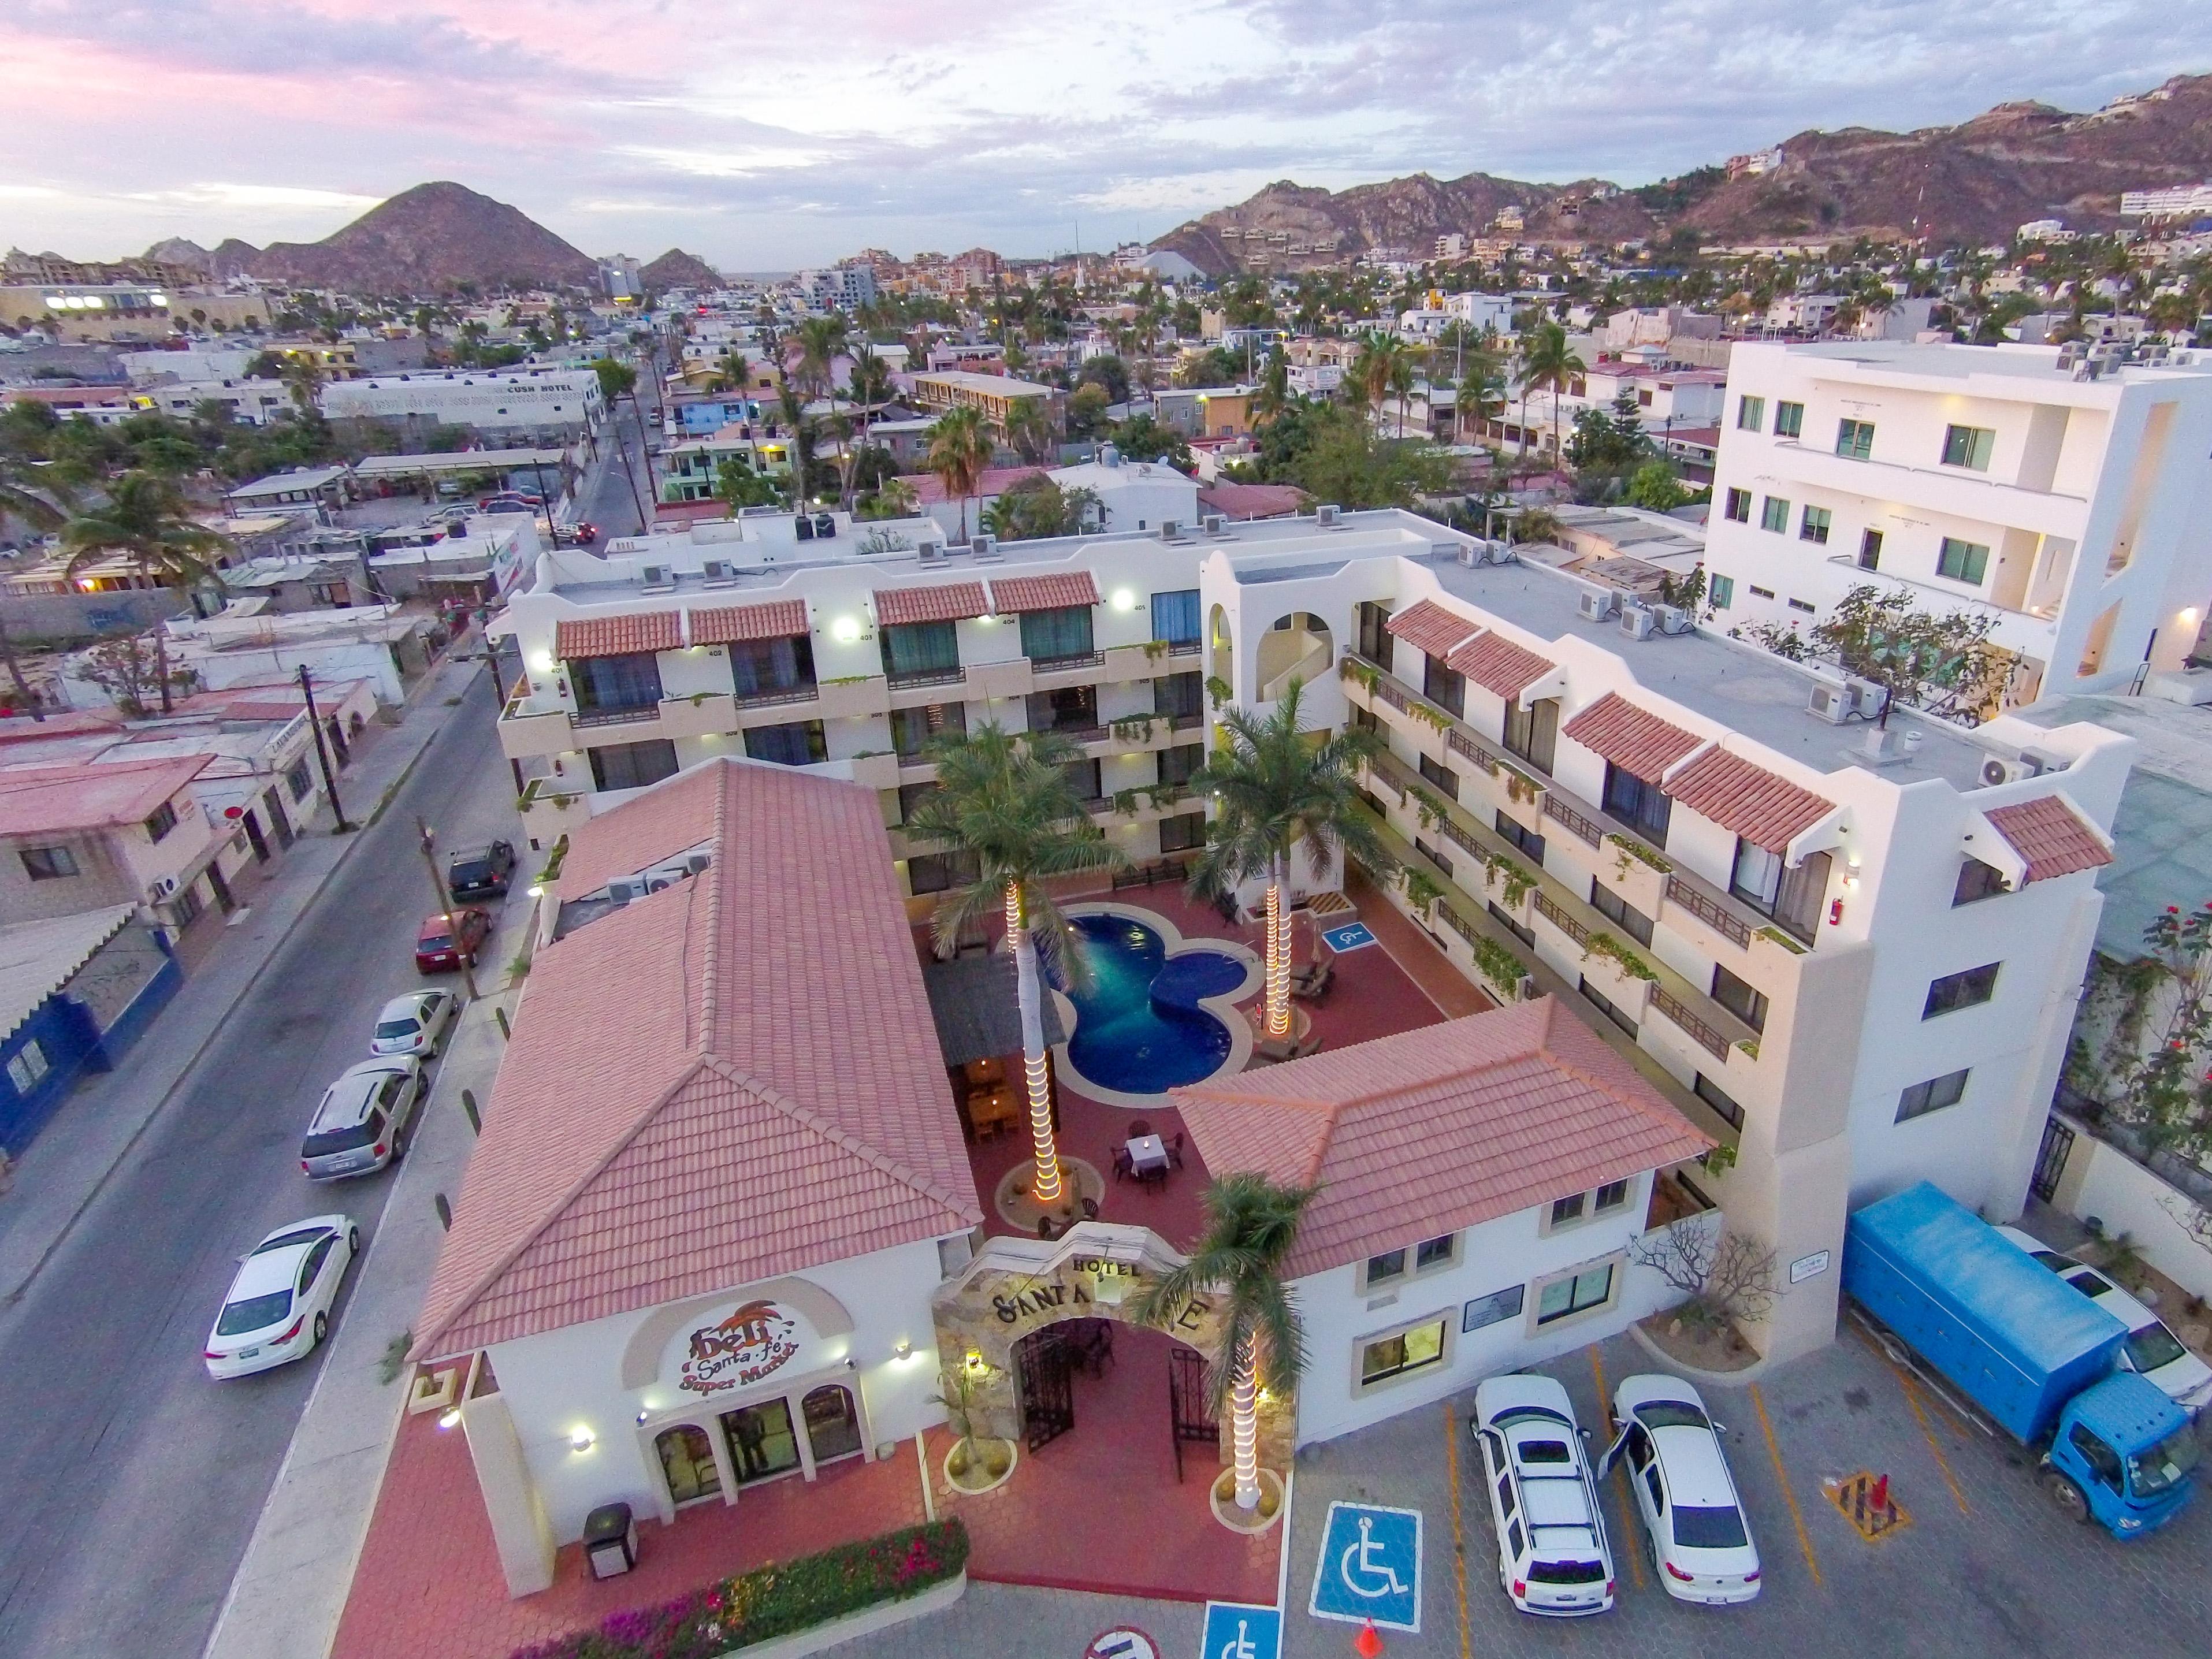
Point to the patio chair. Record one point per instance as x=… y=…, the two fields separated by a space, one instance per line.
x=1091 y=1209
x=1174 y=1152
x=1124 y=1165
x=1138 y=1127
x=1312 y=984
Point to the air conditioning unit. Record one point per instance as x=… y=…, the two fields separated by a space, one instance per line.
x=1469 y=553
x=1832 y=702
x=1596 y=604
x=1327 y=518
x=656 y=578
x=1215 y=524
x=719 y=572
x=622 y=889
x=696 y=863
x=1526 y=989
x=1636 y=622
x=1499 y=552
x=1170 y=530
x=1672 y=619
x=985 y=548
x=1997 y=770
x=930 y=552
x=164 y=885
x=802 y=528
x=2037 y=763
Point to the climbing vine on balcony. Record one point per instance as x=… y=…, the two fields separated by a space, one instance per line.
x=1420 y=891
x=1519 y=786
x=1366 y=676
x=1500 y=965
x=1627 y=849
x=1428 y=716
x=1605 y=945
x=1517 y=880
x=1218 y=689
x=1427 y=807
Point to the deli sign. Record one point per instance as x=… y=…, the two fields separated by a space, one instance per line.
x=755 y=1341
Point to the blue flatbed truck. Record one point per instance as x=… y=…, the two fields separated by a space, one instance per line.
x=2027 y=1352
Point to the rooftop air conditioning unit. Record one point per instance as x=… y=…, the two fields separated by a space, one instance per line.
x=696 y=863
x=719 y=572
x=656 y=578
x=1171 y=530
x=2037 y=763
x=1499 y=552
x=802 y=527
x=622 y=889
x=1596 y=604
x=1997 y=769
x=930 y=552
x=164 y=885
x=1327 y=518
x=985 y=550
x=1215 y=524
x=1636 y=622
x=1672 y=619
x=1832 y=702
x=1526 y=989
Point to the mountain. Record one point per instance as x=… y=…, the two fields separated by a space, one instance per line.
x=424 y=241
x=677 y=268
x=1975 y=182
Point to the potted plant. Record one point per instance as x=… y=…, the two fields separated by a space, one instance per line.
x=976 y=1463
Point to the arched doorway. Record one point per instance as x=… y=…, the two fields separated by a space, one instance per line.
x=1220 y=648
x=1116 y=1375
x=1296 y=646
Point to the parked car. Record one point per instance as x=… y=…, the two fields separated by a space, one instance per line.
x=1694 y=1532
x=1552 y=1557
x=415 y=1024
x=480 y=871
x=445 y=943
x=582 y=533
x=485 y=503
x=490 y=507
x=278 y=1306
x=2152 y=1349
x=364 y=1120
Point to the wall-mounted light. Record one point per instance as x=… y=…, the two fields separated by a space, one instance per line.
x=974 y=1363
x=845 y=630
x=581 y=1439
x=2188 y=617
x=541 y=662
x=448 y=1419
x=642 y=1414
x=901 y=1349
x=1123 y=599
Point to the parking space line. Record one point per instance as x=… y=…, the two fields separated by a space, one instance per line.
x=1459 y=1543
x=1619 y=1486
x=1782 y=1476
x=1928 y=1430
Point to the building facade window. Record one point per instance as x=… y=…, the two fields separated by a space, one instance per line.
x=1178 y=764
x=1792 y=897
x=1605 y=1006
x=1526 y=839
x=1963 y=990
x=27 y=1066
x=1072 y=709
x=632 y=765
x=162 y=820
x=1574 y=1293
x=1721 y=592
x=1750 y=414
x=1375 y=632
x=1774 y=515
x=1969 y=447
x=1443 y=776
x=297 y=781
x=1179 y=696
x=1814 y=525
x=1740 y=998
x=936 y=872
x=1805 y=605
x=1438 y=1252
x=1565 y=1210
x=913 y=650
x=1788 y=420
x=797 y=743
x=1414 y=1349
x=1611 y=1196
x=1932 y=1095
x=610 y=683
x=1058 y=634
x=1962 y=561
x=1444 y=687
x=1870 y=550
x=1182 y=833
x=1977 y=881
x=1643 y=806
x=48 y=863
x=1383 y=1268
x=1532 y=732
x=912 y=729
x=1719 y=1098
x=1511 y=924
x=1175 y=617
x=1618 y=911
x=758 y=667
x=1738 y=508
x=1854 y=440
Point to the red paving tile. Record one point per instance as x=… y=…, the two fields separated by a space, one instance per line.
x=1100 y=1508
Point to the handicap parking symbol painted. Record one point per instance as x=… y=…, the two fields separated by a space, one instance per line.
x=1369 y=1567
x=1122 y=1643
x=1350 y=937
x=1236 y=1630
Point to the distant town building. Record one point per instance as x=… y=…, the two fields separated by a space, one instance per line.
x=840 y=288
x=1507 y=218
x=566 y=402
x=2043 y=230
x=1751 y=164
x=2177 y=202
x=1452 y=246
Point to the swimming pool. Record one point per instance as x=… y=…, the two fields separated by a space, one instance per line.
x=1139 y=1028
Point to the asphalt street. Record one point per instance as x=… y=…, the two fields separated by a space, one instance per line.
x=608 y=501
x=133 y=1480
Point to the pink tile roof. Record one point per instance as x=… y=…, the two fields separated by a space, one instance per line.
x=38 y=800
x=2054 y=839
x=618 y=637
x=1765 y=809
x=1250 y=501
x=929 y=488
x=946 y=602
x=652 y=827
x=727 y=624
x=1430 y=1131
x=1427 y=626
x=765 y=1095
x=1634 y=740
x=1012 y=595
x=1496 y=664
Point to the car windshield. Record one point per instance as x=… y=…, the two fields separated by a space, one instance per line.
x=286 y=1241
x=1566 y=1572
x=397 y=1028
x=255 y=1312
x=435 y=942
x=2164 y=1465
x=1671 y=1414
x=1710 y=1529
x=350 y=1139
x=468 y=870
x=2153 y=1345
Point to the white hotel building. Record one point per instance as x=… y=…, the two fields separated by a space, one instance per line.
x=548 y=402
x=1858 y=965
x=2063 y=495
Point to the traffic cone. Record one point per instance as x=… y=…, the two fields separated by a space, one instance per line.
x=1368 y=1644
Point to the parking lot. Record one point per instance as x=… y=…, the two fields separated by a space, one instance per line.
x=1984 y=1565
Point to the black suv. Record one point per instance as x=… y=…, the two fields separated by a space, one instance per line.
x=481 y=872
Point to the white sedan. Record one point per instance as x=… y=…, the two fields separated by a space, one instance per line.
x=1694 y=1531
x=415 y=1024
x=278 y=1307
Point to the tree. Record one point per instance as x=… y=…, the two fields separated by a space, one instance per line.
x=1276 y=792
x=1086 y=408
x=1108 y=373
x=1340 y=459
x=2151 y=1071
x=1728 y=1278
x=616 y=380
x=1944 y=665
x=303 y=379
x=1654 y=487
x=129 y=672
x=1250 y=1224
x=146 y=520
x=739 y=486
x=1375 y=372
x=1548 y=362
x=1037 y=506
x=1006 y=801
x=1273 y=396
x=893 y=499
x=1142 y=438
x=1028 y=429
x=959 y=453
x=821 y=342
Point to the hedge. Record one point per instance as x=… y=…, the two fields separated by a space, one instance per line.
x=773 y=1601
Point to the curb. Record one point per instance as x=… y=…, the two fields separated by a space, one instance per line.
x=245 y=993
x=1750 y=1374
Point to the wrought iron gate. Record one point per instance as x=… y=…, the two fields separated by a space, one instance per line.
x=1044 y=1365
x=2051 y=1160
x=1187 y=1410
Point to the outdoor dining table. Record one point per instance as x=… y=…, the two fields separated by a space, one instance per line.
x=1148 y=1153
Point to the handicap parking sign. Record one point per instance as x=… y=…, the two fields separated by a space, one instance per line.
x=1369 y=1567
x=1350 y=937
x=1236 y=1630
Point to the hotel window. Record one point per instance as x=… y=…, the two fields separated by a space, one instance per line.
x=1175 y=617
x=1084 y=781
x=1527 y=840
x=912 y=650
x=1870 y=550
x=1056 y=635
x=759 y=667
x=1746 y=1001
x=1573 y=1293
x=800 y=742
x=1409 y=1351
x=1565 y=1210
x=1433 y=855
x=1382 y=1269
x=912 y=729
x=1719 y=1098
x=1640 y=805
x=1444 y=687
x=911 y=796
x=1805 y=605
x=628 y=681
x=1375 y=632
x=1968 y=447
x=1932 y=1095
x=933 y=872
x=1720 y=593
x=1493 y=1309
x=1068 y=708
x=1739 y=506
x=1183 y=834
x=1814 y=525
x=1179 y=696
x=1750 y=414
x=1761 y=592
x=1618 y=910
x=1788 y=420
x=1854 y=440
x=1611 y=1196
x=1977 y=881
x=1441 y=776
x=48 y=863
x=1605 y=1006
x=1774 y=515
x=1511 y=924
x=27 y=1066
x=1439 y=1252
x=1963 y=990
x=1176 y=764
x=1532 y=732
x=632 y=765
x=1962 y=561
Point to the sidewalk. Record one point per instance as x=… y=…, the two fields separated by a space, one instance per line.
x=64 y=1168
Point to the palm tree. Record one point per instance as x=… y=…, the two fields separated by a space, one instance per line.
x=1275 y=791
x=821 y=341
x=959 y=452
x=1548 y=360
x=1250 y=1225
x=1028 y=428
x=1376 y=368
x=146 y=519
x=1006 y=800
x=303 y=378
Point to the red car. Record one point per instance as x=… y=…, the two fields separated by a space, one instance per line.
x=521 y=496
x=442 y=949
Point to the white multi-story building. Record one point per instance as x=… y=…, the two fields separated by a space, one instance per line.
x=2057 y=493
x=2178 y=202
x=1855 y=961
x=566 y=401
x=840 y=288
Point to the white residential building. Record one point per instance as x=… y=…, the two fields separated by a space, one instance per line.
x=840 y=288
x=2061 y=497
x=566 y=401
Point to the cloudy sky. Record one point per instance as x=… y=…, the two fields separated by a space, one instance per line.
x=766 y=135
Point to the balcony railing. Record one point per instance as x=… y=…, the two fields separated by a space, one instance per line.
x=616 y=714
x=1064 y=665
x=1709 y=1038
x=1550 y=910
x=1472 y=747
x=914 y=677
x=1708 y=909
x=1183 y=647
x=1557 y=810
x=771 y=696
x=1445 y=913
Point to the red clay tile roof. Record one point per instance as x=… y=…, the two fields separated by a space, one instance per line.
x=1766 y=811
x=946 y=602
x=1632 y=738
x=38 y=800
x=1430 y=1131
x=1012 y=595
x=1427 y=626
x=765 y=1093
x=1496 y=664
x=653 y=826
x=618 y=637
x=1246 y=501
x=727 y=624
x=2054 y=839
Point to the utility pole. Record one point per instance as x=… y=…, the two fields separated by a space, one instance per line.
x=323 y=753
x=446 y=905
x=629 y=473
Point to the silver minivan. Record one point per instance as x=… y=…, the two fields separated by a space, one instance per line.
x=364 y=1119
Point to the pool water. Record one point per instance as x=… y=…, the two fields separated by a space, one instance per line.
x=1139 y=1028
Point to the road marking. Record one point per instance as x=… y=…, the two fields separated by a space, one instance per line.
x=1459 y=1543
x=1781 y=1475
x=1928 y=1430
x=1620 y=1489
